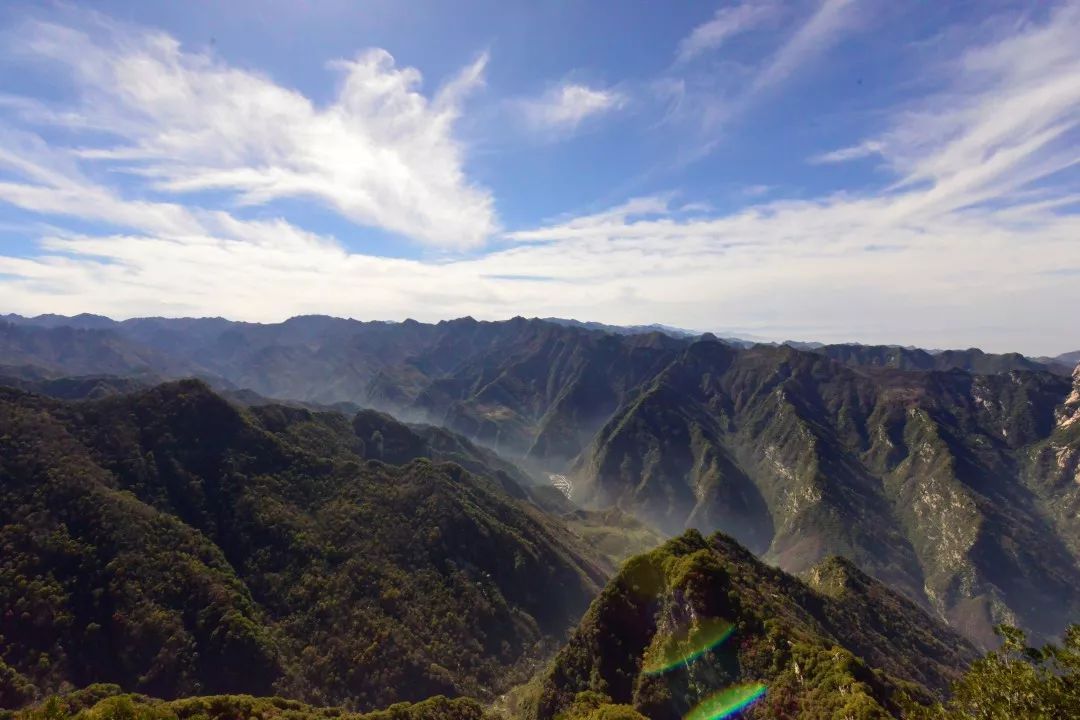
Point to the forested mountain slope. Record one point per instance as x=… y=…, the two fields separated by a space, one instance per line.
x=109 y=702
x=958 y=489
x=528 y=387
x=175 y=544
x=65 y=350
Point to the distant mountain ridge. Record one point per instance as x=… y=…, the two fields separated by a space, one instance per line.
x=161 y=333
x=906 y=358
x=625 y=329
x=530 y=388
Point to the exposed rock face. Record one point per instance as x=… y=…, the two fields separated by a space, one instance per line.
x=1070 y=409
x=1052 y=469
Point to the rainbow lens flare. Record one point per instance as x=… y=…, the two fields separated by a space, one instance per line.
x=727 y=702
x=687 y=645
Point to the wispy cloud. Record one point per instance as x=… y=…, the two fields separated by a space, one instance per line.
x=1007 y=121
x=978 y=220
x=705 y=104
x=823 y=28
x=865 y=149
x=728 y=22
x=565 y=106
x=380 y=154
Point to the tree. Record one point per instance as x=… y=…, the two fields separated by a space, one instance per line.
x=1016 y=681
x=590 y=705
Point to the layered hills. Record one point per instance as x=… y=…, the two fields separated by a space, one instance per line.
x=950 y=475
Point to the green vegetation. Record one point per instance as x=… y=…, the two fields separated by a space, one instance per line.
x=946 y=475
x=904 y=358
x=174 y=544
x=105 y=702
x=852 y=651
x=596 y=706
x=1013 y=682
x=1016 y=681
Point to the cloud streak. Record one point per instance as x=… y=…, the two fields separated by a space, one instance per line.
x=865 y=149
x=817 y=34
x=705 y=104
x=726 y=23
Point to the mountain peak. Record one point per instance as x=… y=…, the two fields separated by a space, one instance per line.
x=698 y=614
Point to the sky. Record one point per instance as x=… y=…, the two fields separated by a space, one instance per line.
x=827 y=170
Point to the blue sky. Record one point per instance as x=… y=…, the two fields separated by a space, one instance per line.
x=835 y=170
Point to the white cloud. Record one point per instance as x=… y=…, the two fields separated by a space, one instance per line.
x=967 y=244
x=802 y=269
x=865 y=149
x=728 y=22
x=380 y=154
x=52 y=184
x=565 y=106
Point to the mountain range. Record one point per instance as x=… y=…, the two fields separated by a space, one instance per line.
x=317 y=452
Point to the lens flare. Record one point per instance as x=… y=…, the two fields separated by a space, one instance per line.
x=726 y=702
x=687 y=645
